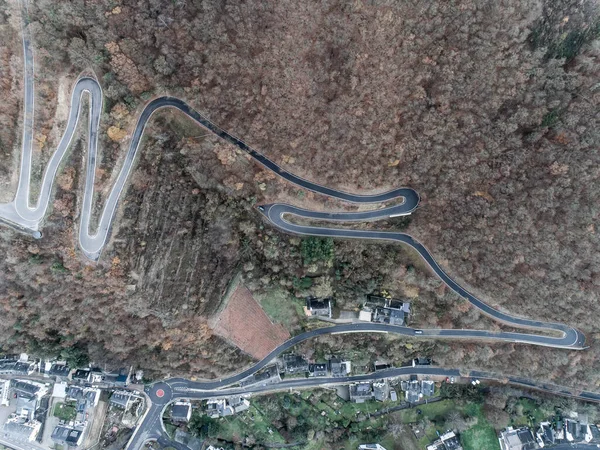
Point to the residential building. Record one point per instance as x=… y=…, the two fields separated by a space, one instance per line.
x=447 y=441
x=4 y=392
x=96 y=375
x=415 y=390
x=59 y=370
x=181 y=412
x=16 y=365
x=294 y=364
x=317 y=370
x=80 y=375
x=66 y=435
x=572 y=430
x=421 y=362
x=28 y=388
x=19 y=430
x=384 y=310
x=318 y=307
x=412 y=391
x=268 y=376
x=59 y=390
x=226 y=406
x=546 y=435
x=365 y=314
x=238 y=403
x=339 y=368
x=123 y=399
x=26 y=407
x=381 y=365
x=119 y=378
x=381 y=390
x=517 y=439
x=427 y=388
x=359 y=392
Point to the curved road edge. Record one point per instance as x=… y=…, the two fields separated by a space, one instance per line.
x=147 y=432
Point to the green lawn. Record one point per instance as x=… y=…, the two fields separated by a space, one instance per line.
x=65 y=411
x=282 y=308
x=482 y=436
x=251 y=422
x=530 y=409
x=433 y=411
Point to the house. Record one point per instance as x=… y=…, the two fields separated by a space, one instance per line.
x=59 y=370
x=318 y=307
x=365 y=314
x=293 y=364
x=20 y=430
x=447 y=441
x=23 y=368
x=338 y=367
x=427 y=388
x=4 y=395
x=74 y=392
x=386 y=310
x=123 y=399
x=270 y=374
x=381 y=390
x=80 y=375
x=181 y=412
x=546 y=434
x=96 y=375
x=66 y=435
x=26 y=407
x=226 y=406
x=238 y=403
x=359 y=392
x=267 y=376
x=371 y=447
x=217 y=407
x=421 y=362
x=415 y=390
x=381 y=365
x=517 y=439
x=116 y=379
x=59 y=390
x=16 y=365
x=28 y=389
x=572 y=430
x=317 y=370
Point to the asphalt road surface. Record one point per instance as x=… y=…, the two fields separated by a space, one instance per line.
x=151 y=427
x=278 y=214
x=26 y=217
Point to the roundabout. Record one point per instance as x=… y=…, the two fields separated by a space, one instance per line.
x=160 y=393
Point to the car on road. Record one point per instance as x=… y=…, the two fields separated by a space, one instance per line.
x=418 y=331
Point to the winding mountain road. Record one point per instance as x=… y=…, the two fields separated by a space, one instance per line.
x=25 y=217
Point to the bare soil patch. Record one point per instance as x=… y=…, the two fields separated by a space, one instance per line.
x=244 y=323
